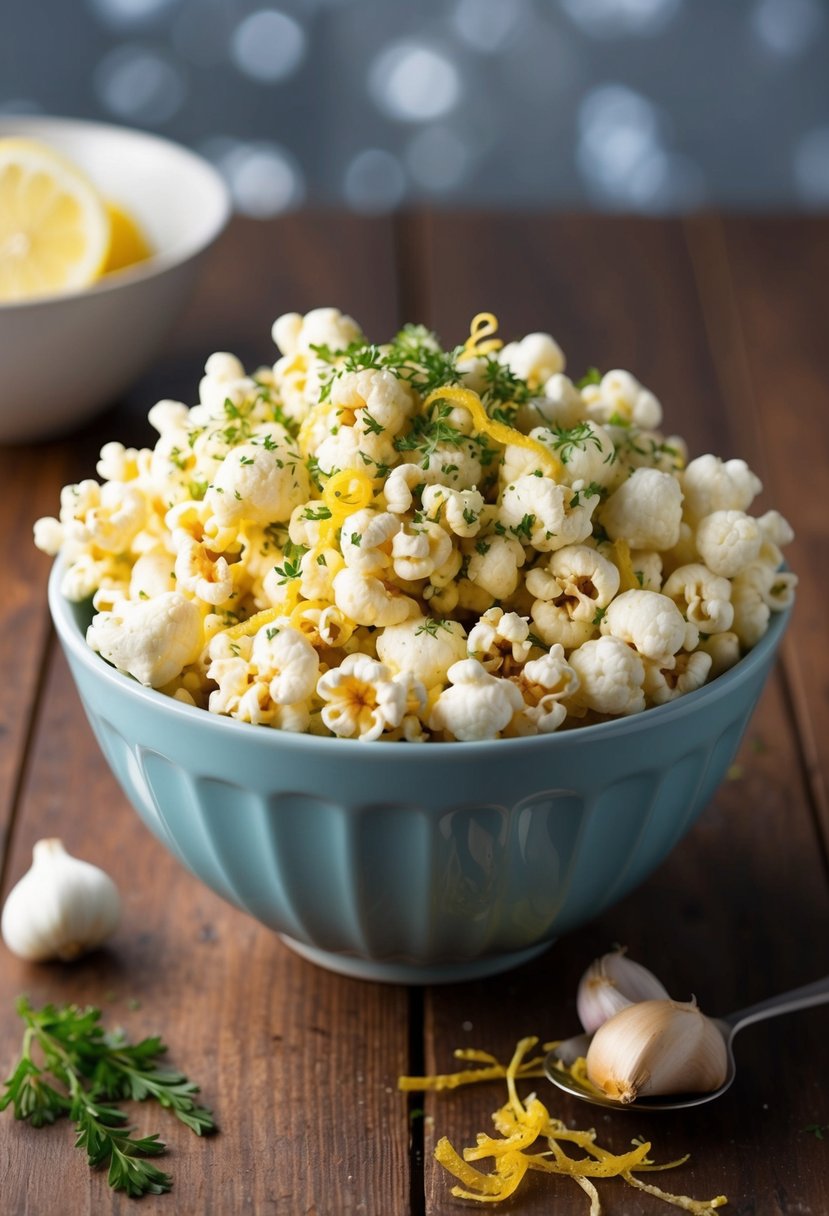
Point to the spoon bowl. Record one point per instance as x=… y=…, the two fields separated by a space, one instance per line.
x=558 y=1061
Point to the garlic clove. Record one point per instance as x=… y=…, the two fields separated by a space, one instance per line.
x=610 y=984
x=657 y=1047
x=61 y=908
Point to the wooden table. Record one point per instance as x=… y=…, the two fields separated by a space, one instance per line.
x=725 y=320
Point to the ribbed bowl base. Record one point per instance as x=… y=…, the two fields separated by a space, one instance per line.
x=393 y=972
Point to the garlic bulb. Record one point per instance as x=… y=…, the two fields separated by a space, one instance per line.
x=657 y=1047
x=609 y=984
x=61 y=908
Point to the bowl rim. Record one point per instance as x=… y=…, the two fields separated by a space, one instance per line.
x=74 y=642
x=28 y=125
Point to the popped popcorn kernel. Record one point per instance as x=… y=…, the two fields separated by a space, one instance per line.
x=407 y=542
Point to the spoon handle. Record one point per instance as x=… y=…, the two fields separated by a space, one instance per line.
x=816 y=993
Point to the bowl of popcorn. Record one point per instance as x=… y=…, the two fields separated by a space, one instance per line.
x=103 y=231
x=420 y=656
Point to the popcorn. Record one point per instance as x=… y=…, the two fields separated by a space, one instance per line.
x=535 y=358
x=260 y=483
x=400 y=542
x=620 y=396
x=477 y=705
x=710 y=484
x=370 y=601
x=151 y=640
x=611 y=677
x=500 y=640
x=545 y=683
x=702 y=597
x=645 y=511
x=650 y=622
x=728 y=541
x=423 y=646
x=362 y=698
x=545 y=514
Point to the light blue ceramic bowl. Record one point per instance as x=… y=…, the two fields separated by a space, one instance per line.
x=415 y=863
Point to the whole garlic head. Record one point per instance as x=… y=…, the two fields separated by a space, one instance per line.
x=657 y=1047
x=61 y=908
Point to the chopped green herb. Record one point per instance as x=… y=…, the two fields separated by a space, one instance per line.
x=372 y=424
x=431 y=626
x=292 y=556
x=524 y=530
x=591 y=376
x=575 y=438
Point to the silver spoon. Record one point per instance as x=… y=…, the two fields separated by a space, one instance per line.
x=570 y=1050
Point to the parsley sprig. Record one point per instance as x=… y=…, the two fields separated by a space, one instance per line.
x=69 y=1066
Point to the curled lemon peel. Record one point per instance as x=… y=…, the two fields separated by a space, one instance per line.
x=246 y=629
x=307 y=606
x=499 y=431
x=347 y=491
x=481 y=341
x=524 y=1124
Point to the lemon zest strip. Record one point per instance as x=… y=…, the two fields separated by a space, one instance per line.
x=520 y=1125
x=246 y=629
x=499 y=431
x=622 y=562
x=484 y=325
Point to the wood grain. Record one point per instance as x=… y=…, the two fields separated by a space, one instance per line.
x=299 y=1065
x=617 y=292
x=761 y=286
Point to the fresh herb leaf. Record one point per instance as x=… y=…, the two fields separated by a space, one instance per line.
x=431 y=626
x=70 y=1066
x=292 y=556
x=569 y=439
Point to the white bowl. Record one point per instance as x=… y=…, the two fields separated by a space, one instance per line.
x=64 y=358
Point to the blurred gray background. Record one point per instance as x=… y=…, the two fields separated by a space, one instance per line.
x=653 y=106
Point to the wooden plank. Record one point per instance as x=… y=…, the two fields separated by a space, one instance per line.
x=761 y=287
x=298 y=1064
x=722 y=916
x=718 y=920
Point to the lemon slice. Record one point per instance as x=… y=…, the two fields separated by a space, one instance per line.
x=128 y=244
x=54 y=229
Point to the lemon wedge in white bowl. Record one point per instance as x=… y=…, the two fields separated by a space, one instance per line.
x=68 y=347
x=54 y=226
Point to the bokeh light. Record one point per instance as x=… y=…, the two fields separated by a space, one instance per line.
x=647 y=105
x=129 y=14
x=489 y=25
x=414 y=82
x=374 y=182
x=811 y=167
x=140 y=85
x=264 y=178
x=268 y=45
x=623 y=158
x=787 y=27
x=615 y=18
x=437 y=159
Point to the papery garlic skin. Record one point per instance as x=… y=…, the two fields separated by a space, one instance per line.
x=610 y=984
x=61 y=908
x=657 y=1047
